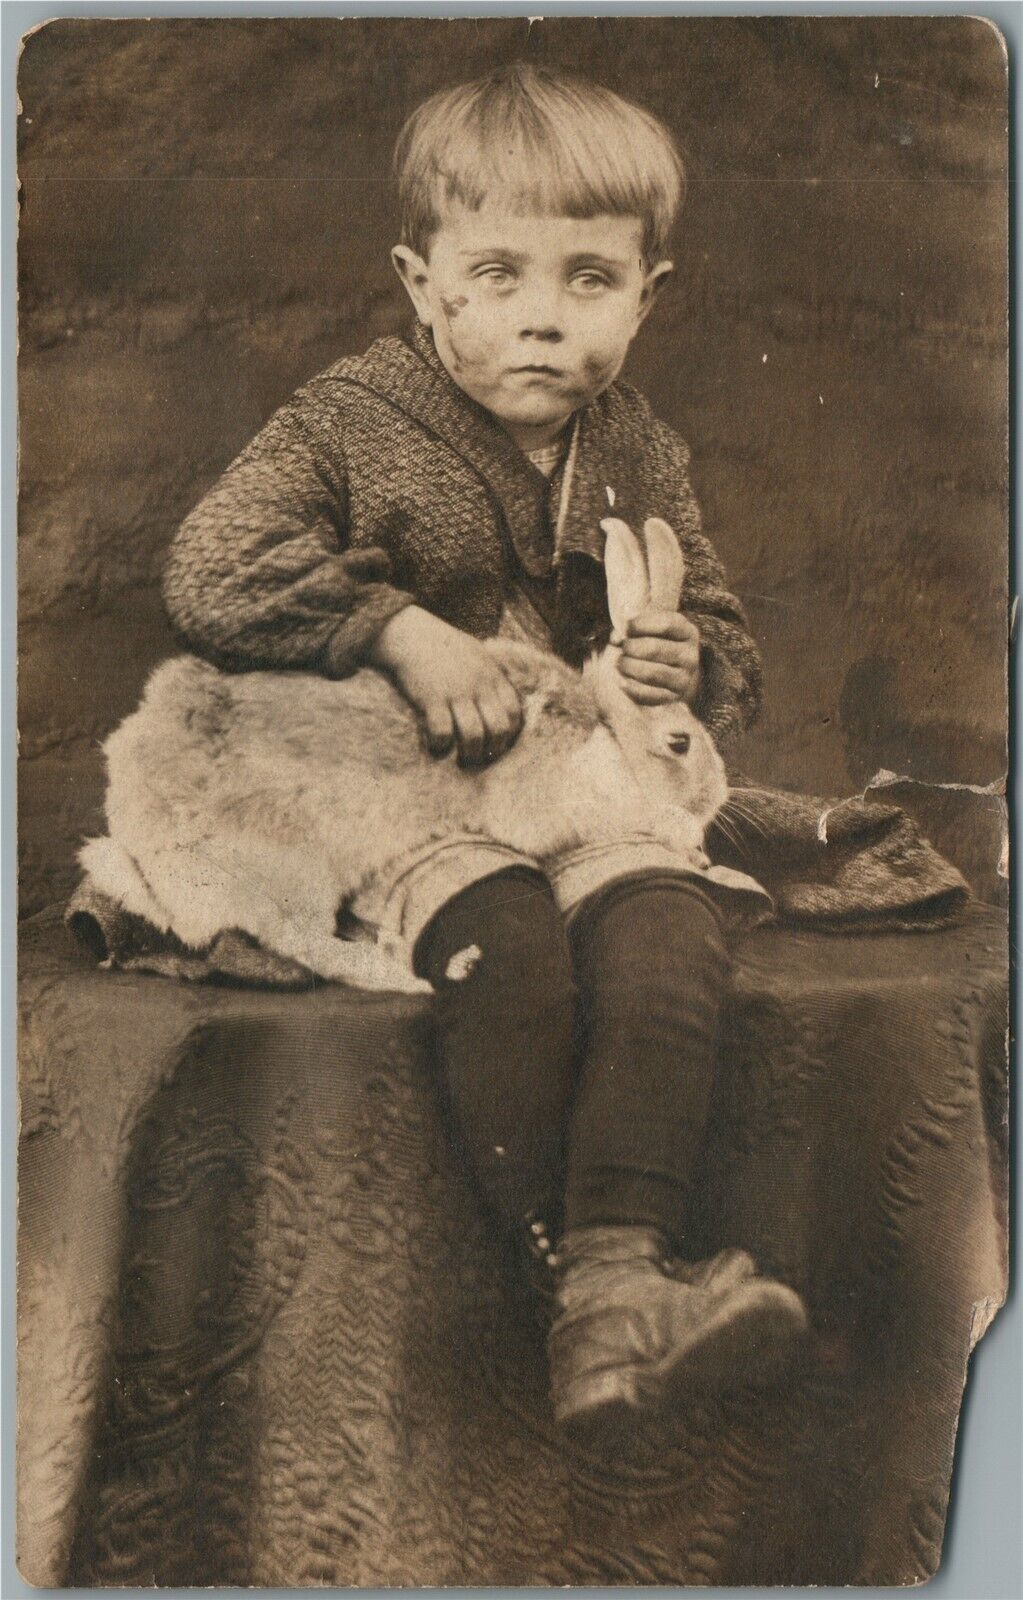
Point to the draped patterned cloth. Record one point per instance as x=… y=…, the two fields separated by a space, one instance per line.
x=267 y=1337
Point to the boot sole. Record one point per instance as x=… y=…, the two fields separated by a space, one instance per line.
x=749 y=1346
x=605 y=1411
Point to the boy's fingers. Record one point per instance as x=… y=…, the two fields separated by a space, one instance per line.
x=512 y=704
x=496 y=725
x=645 y=695
x=471 y=733
x=655 y=674
x=663 y=625
x=440 y=729
x=673 y=652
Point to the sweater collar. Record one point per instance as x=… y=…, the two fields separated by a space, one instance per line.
x=409 y=373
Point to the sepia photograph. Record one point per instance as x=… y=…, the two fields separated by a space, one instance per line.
x=513 y=614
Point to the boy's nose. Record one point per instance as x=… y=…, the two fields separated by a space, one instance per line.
x=546 y=332
x=540 y=314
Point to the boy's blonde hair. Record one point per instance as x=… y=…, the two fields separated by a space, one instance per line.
x=550 y=143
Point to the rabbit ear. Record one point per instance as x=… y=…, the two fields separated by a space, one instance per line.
x=665 y=563
x=628 y=584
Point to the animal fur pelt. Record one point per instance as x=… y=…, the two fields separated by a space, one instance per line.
x=836 y=866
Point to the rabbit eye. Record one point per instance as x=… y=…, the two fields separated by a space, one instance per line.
x=679 y=744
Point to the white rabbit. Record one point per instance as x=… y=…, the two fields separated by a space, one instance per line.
x=263 y=801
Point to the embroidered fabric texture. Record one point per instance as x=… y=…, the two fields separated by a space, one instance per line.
x=266 y=1337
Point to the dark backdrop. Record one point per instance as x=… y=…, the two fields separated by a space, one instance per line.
x=206 y=216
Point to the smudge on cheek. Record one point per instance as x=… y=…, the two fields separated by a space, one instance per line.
x=468 y=351
x=598 y=369
x=452 y=307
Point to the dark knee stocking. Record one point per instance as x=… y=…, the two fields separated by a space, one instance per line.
x=505 y=1033
x=652 y=968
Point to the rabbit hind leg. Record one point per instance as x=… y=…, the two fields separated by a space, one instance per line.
x=292 y=910
x=284 y=899
x=363 y=964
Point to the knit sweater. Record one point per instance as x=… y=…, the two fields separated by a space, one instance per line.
x=381 y=483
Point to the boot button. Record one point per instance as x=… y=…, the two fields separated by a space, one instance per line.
x=552 y=1260
x=536 y=1228
x=543 y=1243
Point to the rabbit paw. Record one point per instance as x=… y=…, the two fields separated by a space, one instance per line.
x=393 y=960
x=381 y=965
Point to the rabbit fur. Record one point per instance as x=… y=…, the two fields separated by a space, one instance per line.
x=263 y=801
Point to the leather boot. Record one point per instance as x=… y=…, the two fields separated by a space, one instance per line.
x=637 y=1334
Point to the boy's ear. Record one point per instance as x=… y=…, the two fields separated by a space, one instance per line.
x=415 y=275
x=653 y=283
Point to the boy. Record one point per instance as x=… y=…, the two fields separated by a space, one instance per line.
x=405 y=505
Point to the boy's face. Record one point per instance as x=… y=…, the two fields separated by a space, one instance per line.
x=531 y=315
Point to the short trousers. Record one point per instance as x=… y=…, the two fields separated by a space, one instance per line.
x=403 y=898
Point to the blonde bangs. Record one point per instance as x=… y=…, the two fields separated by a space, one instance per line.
x=547 y=145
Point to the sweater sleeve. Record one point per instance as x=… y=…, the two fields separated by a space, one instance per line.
x=260 y=573
x=732 y=676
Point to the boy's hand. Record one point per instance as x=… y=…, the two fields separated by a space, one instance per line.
x=455 y=684
x=660 y=659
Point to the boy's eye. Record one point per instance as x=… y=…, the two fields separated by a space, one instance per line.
x=494 y=274
x=590 y=281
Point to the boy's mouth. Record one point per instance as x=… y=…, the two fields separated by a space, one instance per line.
x=541 y=371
